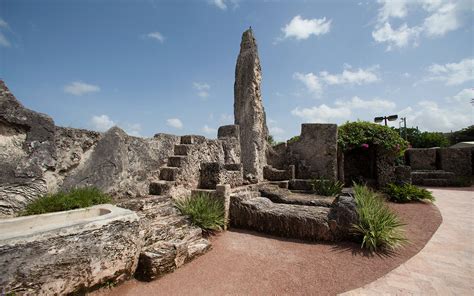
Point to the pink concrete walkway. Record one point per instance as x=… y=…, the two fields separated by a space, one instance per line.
x=445 y=266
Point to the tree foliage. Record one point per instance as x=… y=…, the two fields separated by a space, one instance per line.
x=364 y=134
x=464 y=135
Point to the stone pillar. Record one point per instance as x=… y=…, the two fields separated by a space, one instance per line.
x=223 y=193
x=249 y=113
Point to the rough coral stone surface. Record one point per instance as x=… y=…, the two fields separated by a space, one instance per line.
x=421 y=158
x=248 y=107
x=315 y=153
x=287 y=220
x=457 y=161
x=71 y=259
x=27 y=152
x=403 y=174
x=272 y=174
x=170 y=240
x=122 y=164
x=282 y=195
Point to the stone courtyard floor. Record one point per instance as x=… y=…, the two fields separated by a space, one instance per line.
x=244 y=262
x=445 y=266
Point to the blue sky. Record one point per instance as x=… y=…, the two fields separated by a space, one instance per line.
x=168 y=66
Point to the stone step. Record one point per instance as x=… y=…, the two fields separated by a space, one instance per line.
x=437 y=174
x=176 y=161
x=169 y=173
x=436 y=182
x=418 y=177
x=165 y=256
x=182 y=149
x=300 y=184
x=281 y=184
x=192 y=139
x=161 y=187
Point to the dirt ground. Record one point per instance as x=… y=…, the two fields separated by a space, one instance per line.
x=244 y=262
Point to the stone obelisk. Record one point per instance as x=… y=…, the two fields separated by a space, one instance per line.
x=249 y=113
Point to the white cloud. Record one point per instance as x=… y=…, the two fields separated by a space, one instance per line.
x=322 y=113
x=133 y=129
x=275 y=130
x=224 y=4
x=400 y=37
x=452 y=73
x=442 y=21
x=374 y=104
x=102 y=122
x=174 y=122
x=79 y=88
x=310 y=81
x=428 y=115
x=202 y=88
x=220 y=4
x=226 y=118
x=208 y=130
x=300 y=28
x=3 y=39
x=392 y=9
x=314 y=83
x=465 y=95
x=348 y=76
x=156 y=35
x=3 y=24
x=442 y=16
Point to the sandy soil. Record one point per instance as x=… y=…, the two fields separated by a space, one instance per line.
x=243 y=262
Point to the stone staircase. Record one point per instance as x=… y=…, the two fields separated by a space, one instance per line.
x=437 y=178
x=169 y=174
x=169 y=238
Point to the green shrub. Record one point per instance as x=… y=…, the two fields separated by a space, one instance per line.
x=204 y=211
x=378 y=227
x=64 y=201
x=327 y=187
x=293 y=139
x=364 y=134
x=407 y=193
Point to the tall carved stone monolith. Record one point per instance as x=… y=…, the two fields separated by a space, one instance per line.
x=248 y=108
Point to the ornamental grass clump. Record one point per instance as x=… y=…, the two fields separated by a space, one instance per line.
x=378 y=228
x=204 y=211
x=408 y=192
x=327 y=187
x=67 y=200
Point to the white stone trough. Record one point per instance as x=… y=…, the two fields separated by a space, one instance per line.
x=71 y=251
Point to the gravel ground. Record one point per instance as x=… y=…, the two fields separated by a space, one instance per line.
x=244 y=262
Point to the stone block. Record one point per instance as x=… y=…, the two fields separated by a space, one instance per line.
x=214 y=173
x=301 y=184
x=68 y=252
x=403 y=175
x=271 y=174
x=228 y=131
x=455 y=160
x=421 y=158
x=315 y=154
